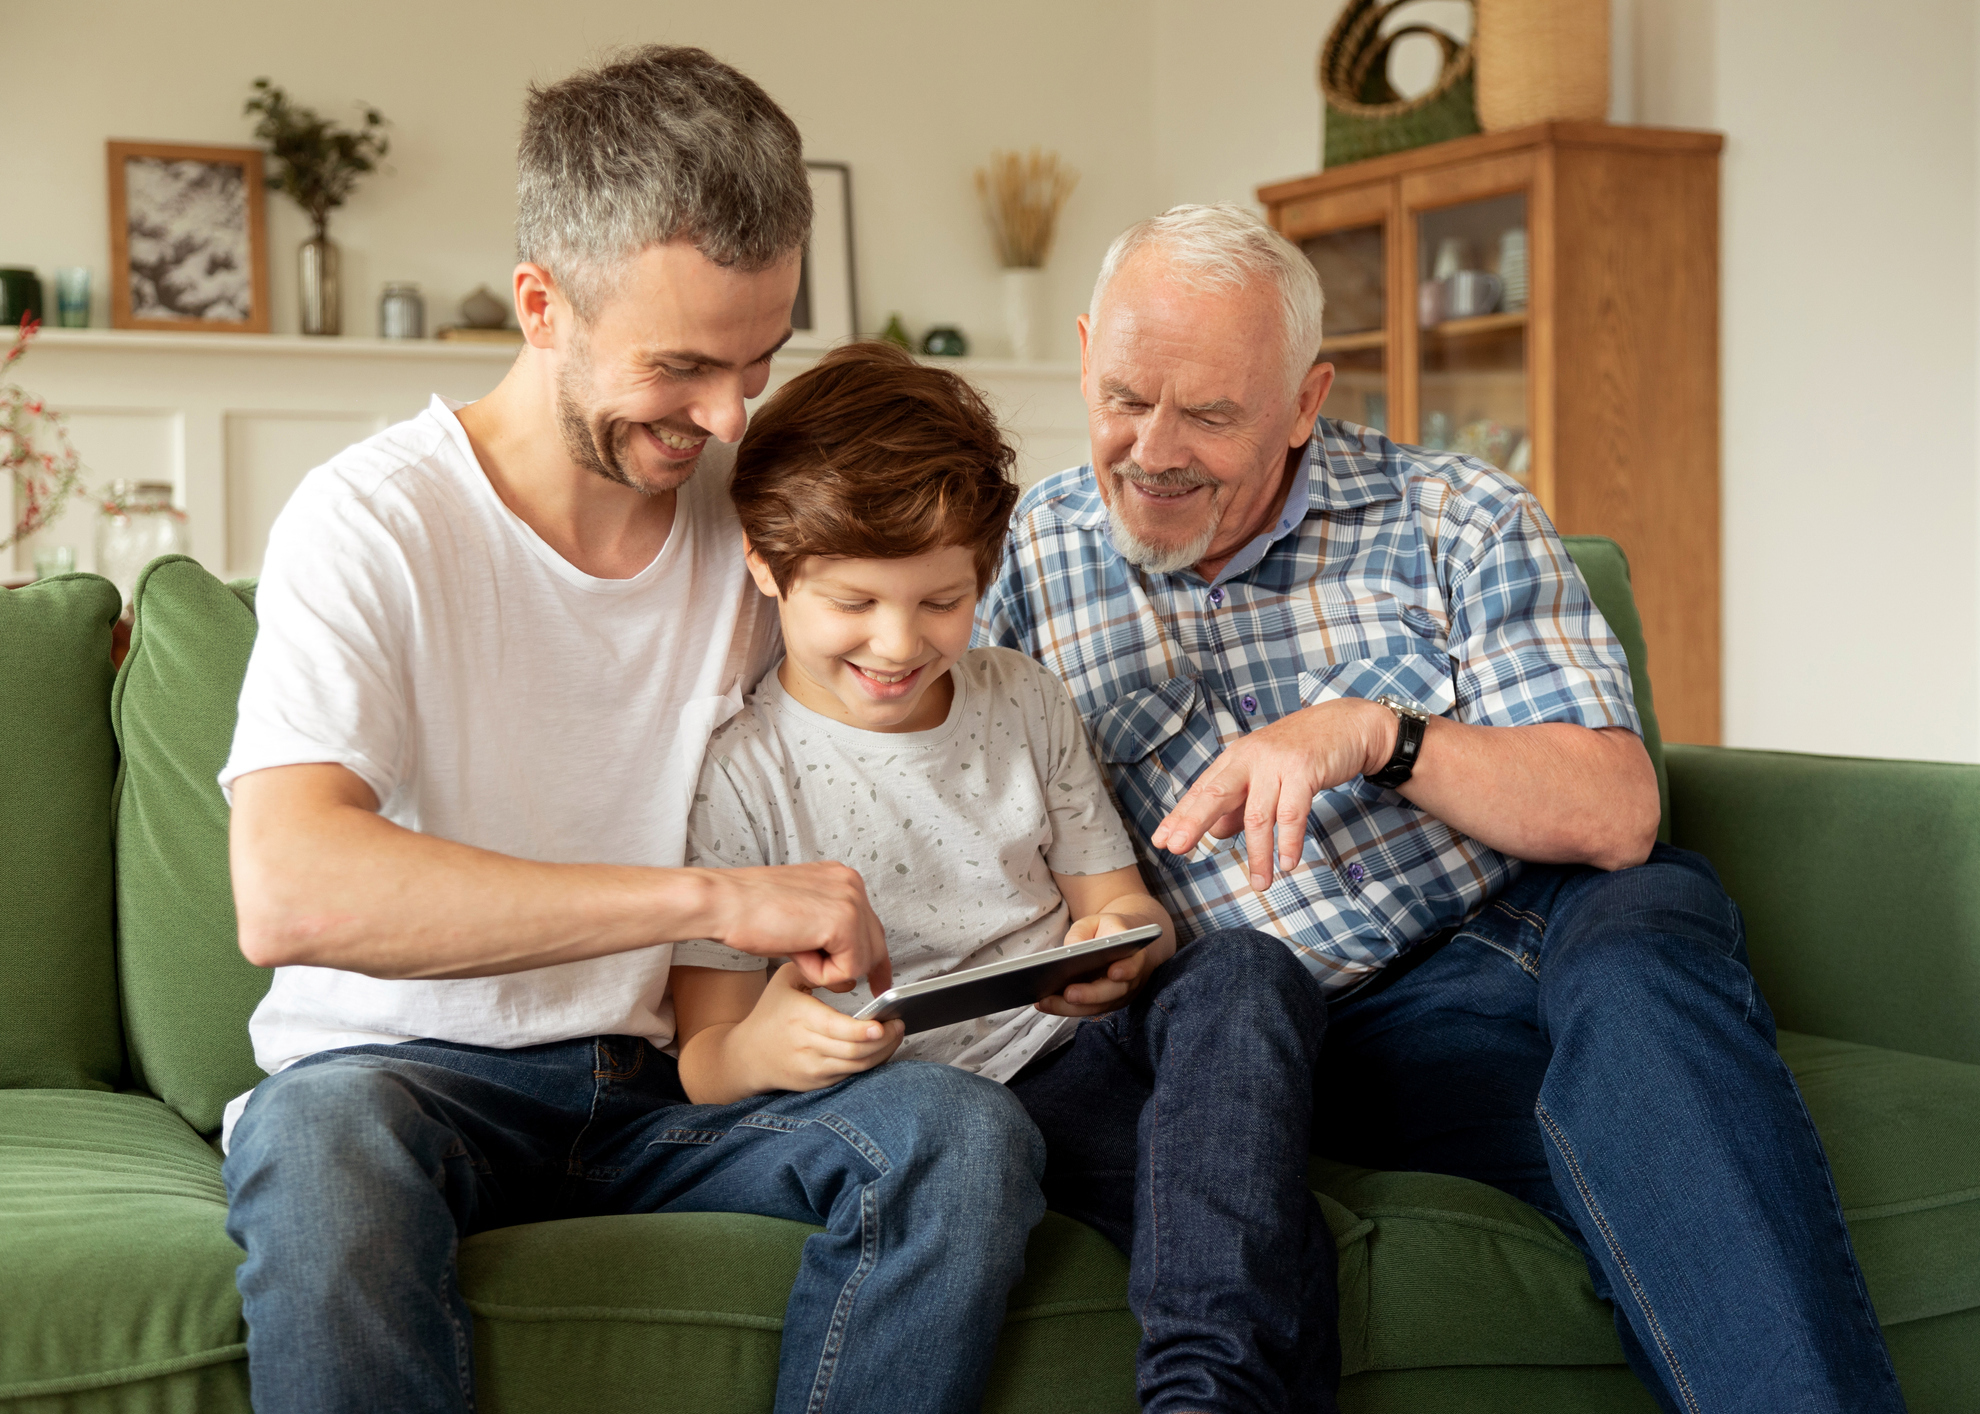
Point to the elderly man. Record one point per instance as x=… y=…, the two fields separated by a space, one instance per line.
x=1379 y=667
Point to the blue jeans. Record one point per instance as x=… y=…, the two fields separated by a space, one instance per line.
x=1178 y=1127
x=1594 y=1045
x=355 y=1173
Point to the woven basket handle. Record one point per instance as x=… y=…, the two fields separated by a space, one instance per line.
x=1372 y=64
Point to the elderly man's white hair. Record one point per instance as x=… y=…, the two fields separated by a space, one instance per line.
x=1226 y=247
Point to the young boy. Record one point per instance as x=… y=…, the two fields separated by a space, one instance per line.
x=875 y=495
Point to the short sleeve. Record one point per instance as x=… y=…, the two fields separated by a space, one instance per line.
x=1087 y=834
x=722 y=833
x=326 y=680
x=1527 y=643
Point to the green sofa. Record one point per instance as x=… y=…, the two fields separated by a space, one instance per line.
x=123 y=1032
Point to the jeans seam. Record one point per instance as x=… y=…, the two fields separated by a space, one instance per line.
x=869 y=1243
x=1864 y=1309
x=450 y=1284
x=1526 y=965
x=1664 y=1347
x=1523 y=915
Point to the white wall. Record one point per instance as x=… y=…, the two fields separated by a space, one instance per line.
x=1851 y=230
x=914 y=95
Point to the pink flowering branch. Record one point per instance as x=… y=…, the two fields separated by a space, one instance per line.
x=35 y=450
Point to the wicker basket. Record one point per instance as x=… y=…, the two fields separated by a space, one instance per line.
x=1541 y=60
x=1365 y=116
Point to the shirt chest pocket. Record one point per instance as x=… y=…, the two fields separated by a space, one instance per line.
x=1419 y=678
x=1155 y=741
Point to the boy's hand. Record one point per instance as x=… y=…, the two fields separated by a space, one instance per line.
x=793 y=1041
x=1123 y=979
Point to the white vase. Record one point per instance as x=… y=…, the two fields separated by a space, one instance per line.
x=1024 y=314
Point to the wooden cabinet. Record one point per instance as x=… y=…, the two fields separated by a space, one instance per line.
x=1547 y=299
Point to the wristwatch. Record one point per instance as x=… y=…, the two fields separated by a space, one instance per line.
x=1410 y=723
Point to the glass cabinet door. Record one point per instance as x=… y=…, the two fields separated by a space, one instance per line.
x=1354 y=273
x=1472 y=345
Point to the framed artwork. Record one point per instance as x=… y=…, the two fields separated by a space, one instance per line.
x=827 y=307
x=188 y=238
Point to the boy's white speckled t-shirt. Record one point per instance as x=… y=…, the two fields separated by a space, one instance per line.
x=957 y=832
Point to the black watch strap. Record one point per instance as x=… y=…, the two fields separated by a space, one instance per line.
x=1410 y=722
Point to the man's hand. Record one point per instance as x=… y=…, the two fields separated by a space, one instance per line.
x=792 y=1041
x=1269 y=778
x=817 y=915
x=1123 y=979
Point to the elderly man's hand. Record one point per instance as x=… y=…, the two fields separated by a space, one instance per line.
x=1269 y=779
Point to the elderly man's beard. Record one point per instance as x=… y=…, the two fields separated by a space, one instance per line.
x=1163 y=559
x=599 y=446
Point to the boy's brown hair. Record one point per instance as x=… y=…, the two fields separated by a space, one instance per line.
x=869 y=455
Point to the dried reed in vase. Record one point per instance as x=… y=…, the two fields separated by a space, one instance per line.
x=1023 y=194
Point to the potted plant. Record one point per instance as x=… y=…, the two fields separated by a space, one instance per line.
x=316 y=163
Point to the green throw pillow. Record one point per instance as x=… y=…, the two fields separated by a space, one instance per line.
x=58 y=985
x=187 y=990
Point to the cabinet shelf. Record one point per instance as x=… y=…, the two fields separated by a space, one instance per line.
x=1477 y=324
x=1355 y=343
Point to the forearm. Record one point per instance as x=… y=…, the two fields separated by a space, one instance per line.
x=714 y=1069
x=1554 y=793
x=352 y=890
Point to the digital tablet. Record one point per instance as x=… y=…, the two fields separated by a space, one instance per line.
x=1012 y=982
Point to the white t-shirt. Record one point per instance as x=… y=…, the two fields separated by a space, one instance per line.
x=418 y=632
x=957 y=831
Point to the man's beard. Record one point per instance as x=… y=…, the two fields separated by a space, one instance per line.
x=599 y=447
x=1163 y=559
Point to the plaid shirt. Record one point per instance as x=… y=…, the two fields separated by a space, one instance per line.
x=1391 y=569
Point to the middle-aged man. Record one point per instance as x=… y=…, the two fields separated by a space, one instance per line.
x=1379 y=667
x=493 y=643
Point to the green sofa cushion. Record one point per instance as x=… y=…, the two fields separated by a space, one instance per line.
x=187 y=990
x=58 y=987
x=1454 y=1295
x=1605 y=570
x=1902 y=1133
x=694 y=1306
x=118 y=1269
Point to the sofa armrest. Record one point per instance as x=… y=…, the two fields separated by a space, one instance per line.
x=1860 y=883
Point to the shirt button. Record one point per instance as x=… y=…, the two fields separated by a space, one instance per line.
x=1217 y=595
x=1249 y=703
x=1356 y=872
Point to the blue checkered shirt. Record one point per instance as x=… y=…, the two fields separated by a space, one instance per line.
x=1425 y=576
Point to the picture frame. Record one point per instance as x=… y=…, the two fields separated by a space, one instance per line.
x=188 y=238
x=826 y=312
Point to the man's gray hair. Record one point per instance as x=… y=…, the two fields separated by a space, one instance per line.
x=1226 y=247
x=660 y=144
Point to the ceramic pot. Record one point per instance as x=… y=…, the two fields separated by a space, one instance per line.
x=1024 y=313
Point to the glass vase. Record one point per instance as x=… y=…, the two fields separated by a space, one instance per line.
x=137 y=524
x=322 y=296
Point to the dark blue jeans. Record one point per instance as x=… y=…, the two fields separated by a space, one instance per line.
x=1178 y=1127
x=1594 y=1045
x=354 y=1174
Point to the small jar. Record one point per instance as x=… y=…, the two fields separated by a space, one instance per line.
x=401 y=312
x=137 y=524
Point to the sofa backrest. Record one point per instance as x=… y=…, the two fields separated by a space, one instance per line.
x=58 y=984
x=187 y=990
x=1605 y=569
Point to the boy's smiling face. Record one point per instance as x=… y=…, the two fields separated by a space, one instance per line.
x=870 y=642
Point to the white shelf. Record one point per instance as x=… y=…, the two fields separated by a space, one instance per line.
x=350 y=346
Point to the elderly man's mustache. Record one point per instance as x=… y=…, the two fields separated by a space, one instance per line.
x=1180 y=479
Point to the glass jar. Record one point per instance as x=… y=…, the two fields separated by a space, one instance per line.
x=137 y=524
x=401 y=312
